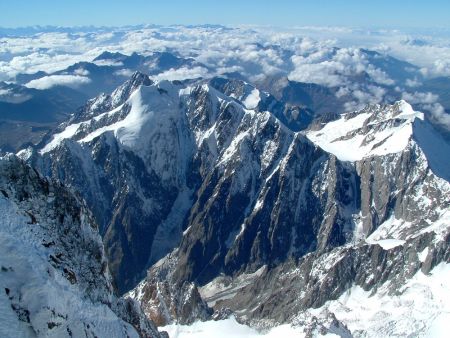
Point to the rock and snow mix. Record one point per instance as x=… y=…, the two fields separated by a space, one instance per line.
x=421 y=309
x=54 y=276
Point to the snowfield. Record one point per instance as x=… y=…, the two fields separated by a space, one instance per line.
x=422 y=309
x=352 y=138
x=229 y=328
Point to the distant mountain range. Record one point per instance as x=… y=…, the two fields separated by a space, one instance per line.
x=33 y=104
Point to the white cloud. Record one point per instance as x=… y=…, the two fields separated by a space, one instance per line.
x=81 y=71
x=46 y=82
x=112 y=63
x=182 y=74
x=305 y=54
x=7 y=95
x=324 y=73
x=35 y=62
x=419 y=97
x=429 y=101
x=362 y=96
x=124 y=72
x=228 y=47
x=412 y=83
x=330 y=67
x=439 y=114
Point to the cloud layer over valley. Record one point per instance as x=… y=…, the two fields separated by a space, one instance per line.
x=360 y=66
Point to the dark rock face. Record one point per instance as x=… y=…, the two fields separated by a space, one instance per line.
x=310 y=204
x=405 y=175
x=61 y=229
x=258 y=218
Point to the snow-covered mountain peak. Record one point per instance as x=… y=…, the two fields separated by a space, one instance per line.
x=128 y=121
x=400 y=110
x=123 y=92
x=407 y=112
x=374 y=131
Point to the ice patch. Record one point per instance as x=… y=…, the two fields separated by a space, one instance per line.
x=423 y=255
x=234 y=147
x=69 y=132
x=127 y=129
x=387 y=244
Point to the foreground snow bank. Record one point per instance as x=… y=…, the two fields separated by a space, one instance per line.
x=231 y=328
x=420 y=309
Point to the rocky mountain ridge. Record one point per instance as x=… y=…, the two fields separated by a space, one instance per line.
x=217 y=175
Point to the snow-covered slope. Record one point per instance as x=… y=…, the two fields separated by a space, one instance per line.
x=133 y=131
x=380 y=130
x=419 y=309
x=54 y=276
x=373 y=132
x=231 y=328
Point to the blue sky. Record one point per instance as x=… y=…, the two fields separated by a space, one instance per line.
x=362 y=13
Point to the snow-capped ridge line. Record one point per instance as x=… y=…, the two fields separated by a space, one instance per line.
x=126 y=110
x=376 y=130
x=119 y=116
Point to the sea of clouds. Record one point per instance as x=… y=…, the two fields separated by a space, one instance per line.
x=328 y=56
